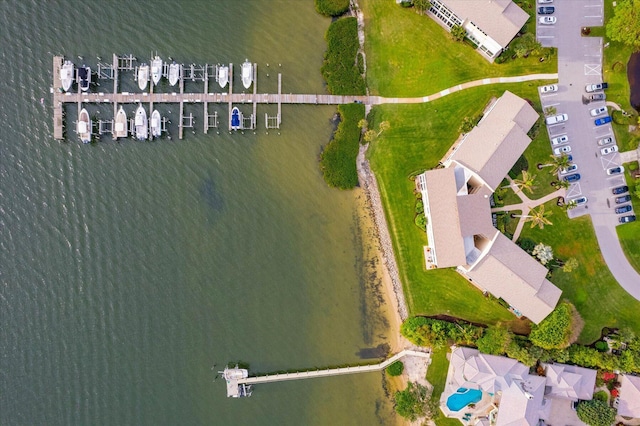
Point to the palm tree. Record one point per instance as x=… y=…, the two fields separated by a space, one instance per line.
x=526 y=183
x=557 y=163
x=539 y=217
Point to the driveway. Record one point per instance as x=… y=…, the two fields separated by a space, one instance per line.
x=579 y=64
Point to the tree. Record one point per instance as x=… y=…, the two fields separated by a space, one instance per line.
x=395 y=369
x=363 y=124
x=495 y=340
x=458 y=33
x=557 y=163
x=539 y=217
x=550 y=110
x=370 y=136
x=526 y=183
x=625 y=24
x=421 y=5
x=554 y=331
x=570 y=264
x=596 y=413
x=411 y=403
x=543 y=252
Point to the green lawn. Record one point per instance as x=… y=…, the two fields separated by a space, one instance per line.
x=629 y=233
x=591 y=287
x=418 y=138
x=437 y=376
x=410 y=55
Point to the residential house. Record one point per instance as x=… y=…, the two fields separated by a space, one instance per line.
x=629 y=402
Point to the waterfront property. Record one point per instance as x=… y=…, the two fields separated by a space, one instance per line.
x=490 y=24
x=505 y=393
x=459 y=222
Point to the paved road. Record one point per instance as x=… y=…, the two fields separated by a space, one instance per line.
x=579 y=64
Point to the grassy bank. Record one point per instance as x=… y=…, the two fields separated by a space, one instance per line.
x=629 y=234
x=410 y=55
x=437 y=376
x=338 y=160
x=340 y=68
x=419 y=136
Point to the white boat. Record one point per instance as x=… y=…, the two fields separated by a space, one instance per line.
x=236 y=119
x=143 y=76
x=67 y=75
x=156 y=124
x=84 y=126
x=223 y=75
x=121 y=124
x=84 y=78
x=142 y=129
x=174 y=73
x=247 y=74
x=156 y=70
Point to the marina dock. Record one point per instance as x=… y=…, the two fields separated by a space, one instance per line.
x=238 y=383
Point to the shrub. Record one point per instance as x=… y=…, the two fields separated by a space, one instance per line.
x=495 y=340
x=339 y=68
x=596 y=413
x=527 y=244
x=601 y=346
x=338 y=160
x=411 y=402
x=555 y=330
x=633 y=166
x=419 y=207
x=395 y=369
x=518 y=167
x=601 y=396
x=332 y=7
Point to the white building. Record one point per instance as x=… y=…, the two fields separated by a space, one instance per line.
x=490 y=24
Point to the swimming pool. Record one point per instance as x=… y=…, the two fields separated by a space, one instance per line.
x=463 y=397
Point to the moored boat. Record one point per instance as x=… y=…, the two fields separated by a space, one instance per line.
x=84 y=126
x=247 y=74
x=84 y=77
x=121 y=124
x=156 y=70
x=143 y=76
x=174 y=73
x=141 y=123
x=223 y=75
x=235 y=118
x=156 y=124
x=67 y=75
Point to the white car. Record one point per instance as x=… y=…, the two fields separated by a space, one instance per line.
x=598 y=111
x=549 y=88
x=579 y=201
x=562 y=150
x=570 y=169
x=560 y=140
x=547 y=20
x=605 y=141
x=545 y=1
x=615 y=170
x=609 y=150
x=560 y=118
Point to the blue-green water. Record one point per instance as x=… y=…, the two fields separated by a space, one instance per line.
x=129 y=269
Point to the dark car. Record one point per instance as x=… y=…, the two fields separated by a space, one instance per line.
x=623 y=209
x=623 y=199
x=620 y=190
x=572 y=178
x=603 y=120
x=627 y=219
x=546 y=10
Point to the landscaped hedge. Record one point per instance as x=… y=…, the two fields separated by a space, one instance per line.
x=338 y=160
x=332 y=7
x=340 y=68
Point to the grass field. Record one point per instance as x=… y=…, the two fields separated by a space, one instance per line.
x=419 y=136
x=629 y=234
x=437 y=376
x=410 y=55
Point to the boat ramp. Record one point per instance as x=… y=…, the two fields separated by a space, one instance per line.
x=239 y=383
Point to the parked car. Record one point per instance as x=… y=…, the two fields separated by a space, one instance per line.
x=547 y=20
x=550 y=88
x=627 y=219
x=546 y=10
x=560 y=118
x=620 y=190
x=562 y=150
x=595 y=87
x=572 y=178
x=623 y=209
x=571 y=168
x=623 y=199
x=545 y=1
x=559 y=140
x=597 y=97
x=598 y=111
x=579 y=201
x=605 y=141
x=602 y=120
x=615 y=170
x=608 y=150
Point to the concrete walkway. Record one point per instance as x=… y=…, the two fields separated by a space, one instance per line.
x=526 y=205
x=377 y=100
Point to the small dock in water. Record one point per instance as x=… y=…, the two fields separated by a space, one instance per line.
x=239 y=383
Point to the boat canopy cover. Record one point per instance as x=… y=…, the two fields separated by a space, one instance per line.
x=65 y=73
x=139 y=120
x=155 y=122
x=82 y=127
x=119 y=127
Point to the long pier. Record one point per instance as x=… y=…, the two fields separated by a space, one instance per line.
x=233 y=384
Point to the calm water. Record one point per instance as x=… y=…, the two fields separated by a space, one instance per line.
x=129 y=269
